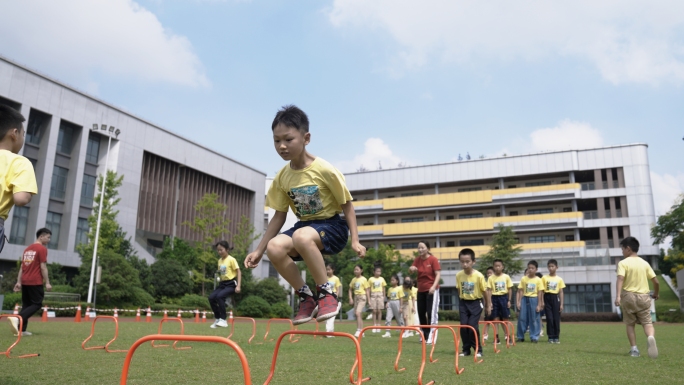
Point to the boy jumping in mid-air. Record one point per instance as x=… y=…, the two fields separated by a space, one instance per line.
x=316 y=192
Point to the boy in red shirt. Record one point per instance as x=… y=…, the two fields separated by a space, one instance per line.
x=32 y=275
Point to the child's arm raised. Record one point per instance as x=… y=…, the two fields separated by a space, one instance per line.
x=350 y=217
x=274 y=226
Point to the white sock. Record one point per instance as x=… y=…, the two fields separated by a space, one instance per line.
x=634 y=348
x=305 y=289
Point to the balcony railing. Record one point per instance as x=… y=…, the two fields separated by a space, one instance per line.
x=588 y=186
x=618 y=213
x=590 y=214
x=608 y=215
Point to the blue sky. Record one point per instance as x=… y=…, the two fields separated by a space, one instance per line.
x=383 y=81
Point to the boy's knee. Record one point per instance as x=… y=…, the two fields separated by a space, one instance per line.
x=277 y=249
x=304 y=236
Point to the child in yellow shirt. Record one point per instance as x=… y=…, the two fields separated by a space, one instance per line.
x=377 y=296
x=530 y=302
x=395 y=294
x=553 y=286
x=336 y=285
x=359 y=294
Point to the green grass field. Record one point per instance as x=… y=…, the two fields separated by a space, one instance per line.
x=588 y=354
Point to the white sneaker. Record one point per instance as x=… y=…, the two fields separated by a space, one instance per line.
x=541 y=333
x=213 y=326
x=485 y=337
x=386 y=335
x=222 y=323
x=357 y=334
x=479 y=355
x=26 y=334
x=14 y=321
x=652 y=348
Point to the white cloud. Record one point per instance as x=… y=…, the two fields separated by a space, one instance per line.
x=666 y=189
x=565 y=136
x=627 y=40
x=79 y=38
x=376 y=152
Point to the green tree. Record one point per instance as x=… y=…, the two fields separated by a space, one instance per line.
x=503 y=248
x=57 y=274
x=171 y=279
x=119 y=279
x=210 y=224
x=270 y=290
x=671 y=225
x=242 y=241
x=181 y=251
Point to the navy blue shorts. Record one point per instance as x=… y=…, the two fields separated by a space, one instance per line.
x=333 y=231
x=500 y=307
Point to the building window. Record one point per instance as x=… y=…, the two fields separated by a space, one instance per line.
x=272 y=272
x=59 y=183
x=88 y=190
x=93 y=151
x=34 y=128
x=468 y=216
x=391 y=221
x=534 y=184
x=513 y=213
x=471 y=242
x=588 y=299
x=449 y=217
x=512 y=186
x=543 y=239
x=65 y=139
x=82 y=231
x=539 y=211
x=451 y=244
x=365 y=223
x=448 y=298
x=569 y=238
x=409 y=245
x=412 y=194
x=53 y=223
x=467 y=189
x=414 y=219
x=567 y=209
x=19 y=225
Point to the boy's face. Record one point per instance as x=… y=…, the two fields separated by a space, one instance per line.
x=531 y=271
x=44 y=239
x=17 y=137
x=466 y=262
x=552 y=268
x=377 y=273
x=289 y=142
x=329 y=271
x=498 y=267
x=357 y=271
x=490 y=272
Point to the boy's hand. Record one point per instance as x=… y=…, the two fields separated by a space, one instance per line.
x=655 y=296
x=518 y=307
x=617 y=301
x=561 y=309
x=538 y=308
x=359 y=249
x=509 y=305
x=489 y=309
x=253 y=260
x=237 y=289
x=351 y=301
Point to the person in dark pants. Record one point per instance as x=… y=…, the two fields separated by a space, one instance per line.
x=553 y=286
x=429 y=271
x=228 y=272
x=32 y=275
x=472 y=290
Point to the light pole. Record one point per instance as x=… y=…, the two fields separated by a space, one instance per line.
x=116 y=132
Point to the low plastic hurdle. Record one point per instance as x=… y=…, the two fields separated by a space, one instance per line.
x=496 y=333
x=358 y=359
x=175 y=337
x=92 y=332
x=281 y=320
x=456 y=342
x=232 y=327
x=396 y=361
x=159 y=331
x=511 y=330
x=7 y=352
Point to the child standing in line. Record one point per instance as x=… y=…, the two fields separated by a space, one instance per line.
x=489 y=273
x=394 y=309
x=377 y=296
x=500 y=287
x=633 y=295
x=18 y=181
x=336 y=285
x=316 y=192
x=407 y=308
x=553 y=301
x=539 y=315
x=472 y=290
x=530 y=302
x=359 y=297
x=228 y=272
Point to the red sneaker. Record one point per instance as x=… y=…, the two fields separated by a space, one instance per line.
x=328 y=305
x=307 y=309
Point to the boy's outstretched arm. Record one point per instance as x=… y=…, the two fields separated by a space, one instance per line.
x=274 y=226
x=22 y=198
x=350 y=217
x=656 y=288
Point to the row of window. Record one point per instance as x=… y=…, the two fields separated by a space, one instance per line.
x=479 y=188
x=474 y=215
x=53 y=221
x=481 y=242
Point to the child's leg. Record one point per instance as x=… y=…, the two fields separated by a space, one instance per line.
x=307 y=243
x=330 y=325
x=389 y=316
x=523 y=321
x=535 y=323
x=279 y=250
x=474 y=321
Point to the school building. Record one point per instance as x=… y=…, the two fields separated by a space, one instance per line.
x=573 y=206
x=164 y=173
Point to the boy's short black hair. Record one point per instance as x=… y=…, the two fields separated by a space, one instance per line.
x=42 y=231
x=630 y=242
x=539 y=275
x=224 y=244
x=467 y=251
x=9 y=119
x=490 y=268
x=533 y=263
x=291 y=116
x=552 y=262
x=498 y=260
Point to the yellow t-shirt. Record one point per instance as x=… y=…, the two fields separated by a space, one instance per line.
x=316 y=192
x=637 y=272
x=470 y=287
x=414 y=293
x=552 y=285
x=531 y=286
x=377 y=285
x=359 y=285
x=335 y=283
x=499 y=285
x=16 y=175
x=396 y=293
x=228 y=268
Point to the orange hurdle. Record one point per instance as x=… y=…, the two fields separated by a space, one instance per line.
x=92 y=332
x=456 y=342
x=336 y=334
x=283 y=320
x=175 y=342
x=396 y=361
x=477 y=342
x=232 y=327
x=493 y=325
x=173 y=337
x=21 y=326
x=511 y=331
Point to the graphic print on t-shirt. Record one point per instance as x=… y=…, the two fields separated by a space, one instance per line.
x=499 y=286
x=377 y=284
x=222 y=270
x=551 y=286
x=28 y=257
x=393 y=295
x=467 y=287
x=531 y=288
x=357 y=285
x=307 y=200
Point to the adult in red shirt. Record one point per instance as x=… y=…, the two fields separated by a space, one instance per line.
x=32 y=275
x=429 y=272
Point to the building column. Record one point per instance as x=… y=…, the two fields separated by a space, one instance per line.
x=623 y=207
x=625 y=231
x=437 y=215
x=375 y=194
x=377 y=244
x=621 y=177
x=572 y=177
x=613 y=212
x=601 y=207
x=577 y=235
x=501 y=184
x=376 y=219
x=598 y=181
x=574 y=205
x=616 y=239
x=436 y=189
x=603 y=236
x=438 y=243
